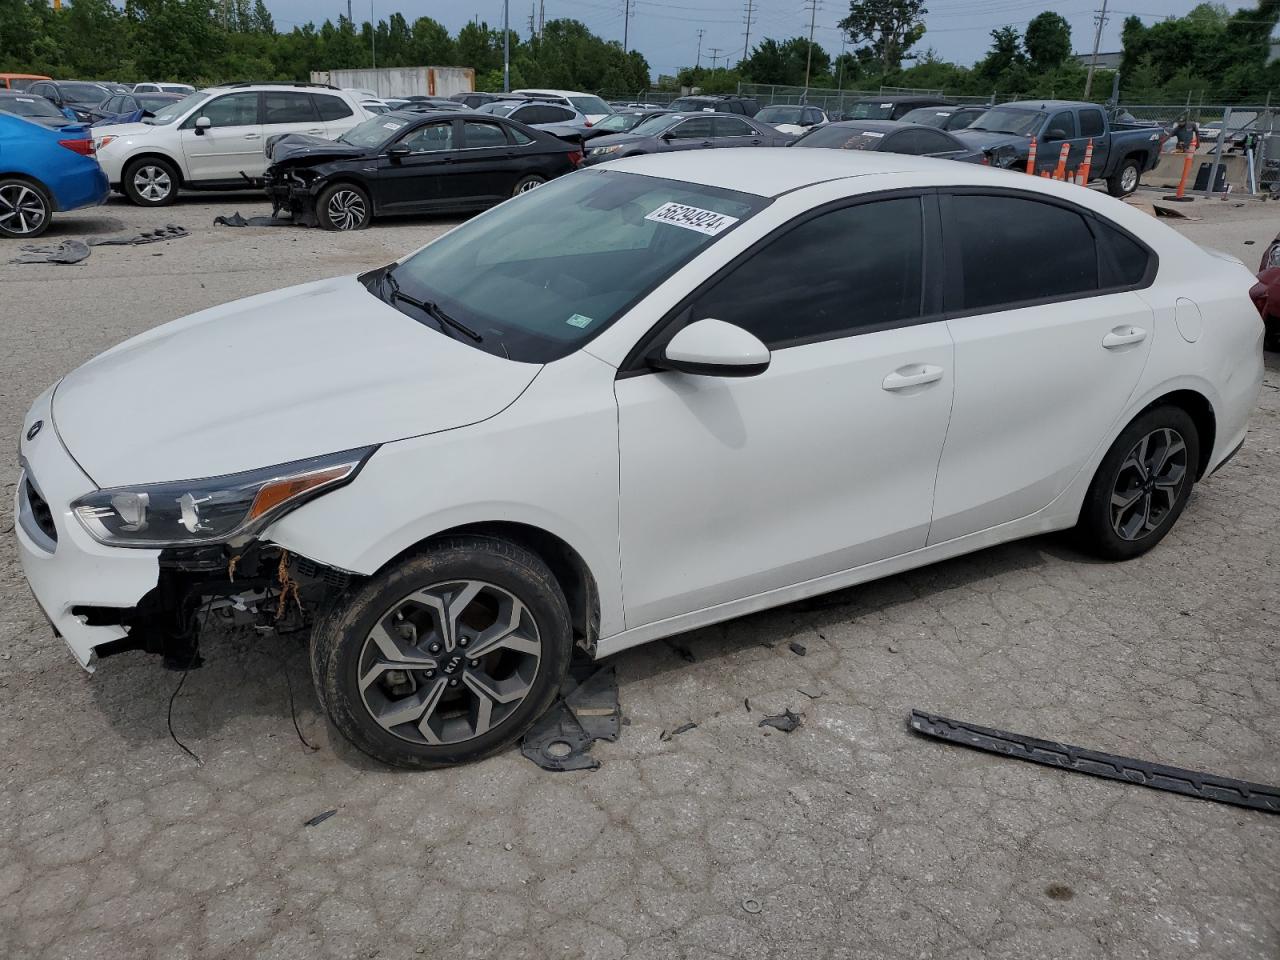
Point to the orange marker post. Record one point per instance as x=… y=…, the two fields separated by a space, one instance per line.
x=1060 y=173
x=1088 y=162
x=1181 y=194
x=1031 y=158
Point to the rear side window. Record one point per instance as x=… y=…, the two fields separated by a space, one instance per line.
x=918 y=142
x=1039 y=252
x=1091 y=124
x=331 y=108
x=285 y=106
x=477 y=133
x=726 y=126
x=1123 y=261
x=840 y=273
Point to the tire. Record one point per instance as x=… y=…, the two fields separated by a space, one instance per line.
x=151 y=182
x=25 y=209
x=1125 y=180
x=344 y=206
x=432 y=712
x=1151 y=467
x=1271 y=338
x=525 y=184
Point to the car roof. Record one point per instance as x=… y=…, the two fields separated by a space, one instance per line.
x=553 y=93
x=1047 y=104
x=881 y=126
x=923 y=99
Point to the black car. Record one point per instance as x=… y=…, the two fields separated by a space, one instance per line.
x=685 y=131
x=623 y=121
x=419 y=102
x=944 y=117
x=890 y=136
x=78 y=96
x=718 y=103
x=476 y=99
x=33 y=108
x=892 y=106
x=407 y=161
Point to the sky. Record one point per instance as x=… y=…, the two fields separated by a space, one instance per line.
x=666 y=31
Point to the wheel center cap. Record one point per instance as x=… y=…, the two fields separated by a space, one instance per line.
x=452 y=665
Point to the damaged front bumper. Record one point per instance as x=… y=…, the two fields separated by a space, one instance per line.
x=289 y=190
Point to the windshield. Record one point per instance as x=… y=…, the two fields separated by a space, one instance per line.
x=499 y=108
x=1021 y=123
x=781 y=115
x=371 y=132
x=841 y=137
x=175 y=110
x=619 y=122
x=591 y=105
x=929 y=116
x=690 y=104
x=84 y=92
x=154 y=101
x=655 y=125
x=871 y=111
x=30 y=107
x=542 y=274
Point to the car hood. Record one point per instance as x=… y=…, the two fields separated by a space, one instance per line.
x=611 y=139
x=301 y=147
x=282 y=376
x=125 y=129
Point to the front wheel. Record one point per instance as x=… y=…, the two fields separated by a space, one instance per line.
x=447 y=657
x=1125 y=180
x=25 y=209
x=344 y=206
x=1141 y=486
x=526 y=184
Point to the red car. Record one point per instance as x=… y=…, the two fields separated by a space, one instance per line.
x=1266 y=293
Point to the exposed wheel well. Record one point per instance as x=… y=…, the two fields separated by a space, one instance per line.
x=570 y=570
x=177 y=167
x=1200 y=411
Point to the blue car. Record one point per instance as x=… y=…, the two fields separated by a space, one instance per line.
x=43 y=170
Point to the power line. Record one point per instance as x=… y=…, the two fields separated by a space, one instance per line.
x=715 y=55
x=812 y=6
x=626 y=23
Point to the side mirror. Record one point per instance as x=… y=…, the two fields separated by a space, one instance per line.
x=399 y=152
x=202 y=124
x=1055 y=134
x=667 y=136
x=713 y=348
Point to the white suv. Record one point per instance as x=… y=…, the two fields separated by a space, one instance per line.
x=588 y=104
x=215 y=139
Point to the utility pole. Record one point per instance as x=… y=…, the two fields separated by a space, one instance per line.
x=506 y=46
x=1097 y=40
x=373 y=36
x=840 y=70
x=697 y=61
x=626 y=23
x=808 y=60
x=350 y=20
x=746 y=37
x=542 y=16
x=715 y=55
x=533 y=14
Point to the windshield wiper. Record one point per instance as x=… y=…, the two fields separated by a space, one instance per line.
x=430 y=309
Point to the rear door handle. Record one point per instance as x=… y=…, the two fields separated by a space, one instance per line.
x=1123 y=336
x=315 y=131
x=913 y=375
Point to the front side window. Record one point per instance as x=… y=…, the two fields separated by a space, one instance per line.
x=231 y=110
x=697 y=128
x=544 y=273
x=477 y=133
x=1062 y=125
x=1041 y=251
x=430 y=139
x=285 y=106
x=851 y=270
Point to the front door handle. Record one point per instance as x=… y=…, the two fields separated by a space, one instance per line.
x=914 y=375
x=252 y=136
x=1123 y=336
x=315 y=131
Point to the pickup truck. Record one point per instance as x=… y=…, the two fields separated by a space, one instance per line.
x=1122 y=152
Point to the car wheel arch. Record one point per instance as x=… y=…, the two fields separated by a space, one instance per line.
x=35 y=182
x=1199 y=408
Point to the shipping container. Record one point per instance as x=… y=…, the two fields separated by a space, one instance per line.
x=402 y=81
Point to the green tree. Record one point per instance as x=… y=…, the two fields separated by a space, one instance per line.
x=887 y=29
x=262 y=19
x=1047 y=41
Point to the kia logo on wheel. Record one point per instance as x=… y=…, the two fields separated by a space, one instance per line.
x=34 y=429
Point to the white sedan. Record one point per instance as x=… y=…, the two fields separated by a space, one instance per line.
x=644 y=398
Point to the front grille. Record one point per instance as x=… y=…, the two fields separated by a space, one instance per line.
x=40 y=512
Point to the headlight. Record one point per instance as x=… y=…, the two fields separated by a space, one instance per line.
x=193 y=512
x=601 y=151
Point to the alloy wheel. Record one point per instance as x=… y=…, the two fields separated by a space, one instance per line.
x=346 y=210
x=22 y=210
x=529 y=185
x=1129 y=179
x=1148 y=484
x=449 y=663
x=152 y=183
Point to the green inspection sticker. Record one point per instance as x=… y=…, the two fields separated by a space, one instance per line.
x=578 y=320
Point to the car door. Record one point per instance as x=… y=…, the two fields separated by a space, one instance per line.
x=693 y=134
x=731 y=131
x=485 y=168
x=731 y=487
x=231 y=144
x=1047 y=354
x=418 y=181
x=1061 y=129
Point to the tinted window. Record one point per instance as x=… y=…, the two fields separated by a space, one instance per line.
x=518 y=137
x=233 y=110
x=958 y=121
x=841 y=137
x=836 y=274
x=44 y=90
x=481 y=134
x=731 y=127
x=697 y=128
x=284 y=106
x=1124 y=261
x=331 y=108
x=918 y=142
x=1040 y=251
x=431 y=138
x=558 y=114
x=871 y=111
x=84 y=92
x=1064 y=123
x=1091 y=124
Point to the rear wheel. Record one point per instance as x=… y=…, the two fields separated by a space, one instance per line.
x=1141 y=486
x=344 y=206
x=1125 y=180
x=446 y=658
x=525 y=184
x=25 y=209
x=151 y=182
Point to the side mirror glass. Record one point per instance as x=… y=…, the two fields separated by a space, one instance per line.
x=713 y=348
x=202 y=124
x=399 y=151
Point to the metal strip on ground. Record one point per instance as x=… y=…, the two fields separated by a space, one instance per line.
x=1064 y=756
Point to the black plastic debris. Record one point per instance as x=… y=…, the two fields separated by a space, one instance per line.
x=785 y=721
x=799 y=649
x=66 y=251
x=170 y=231
x=319 y=818
x=236 y=220
x=683 y=728
x=1064 y=756
x=587 y=710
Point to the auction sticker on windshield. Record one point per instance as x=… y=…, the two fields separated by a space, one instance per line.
x=692 y=218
